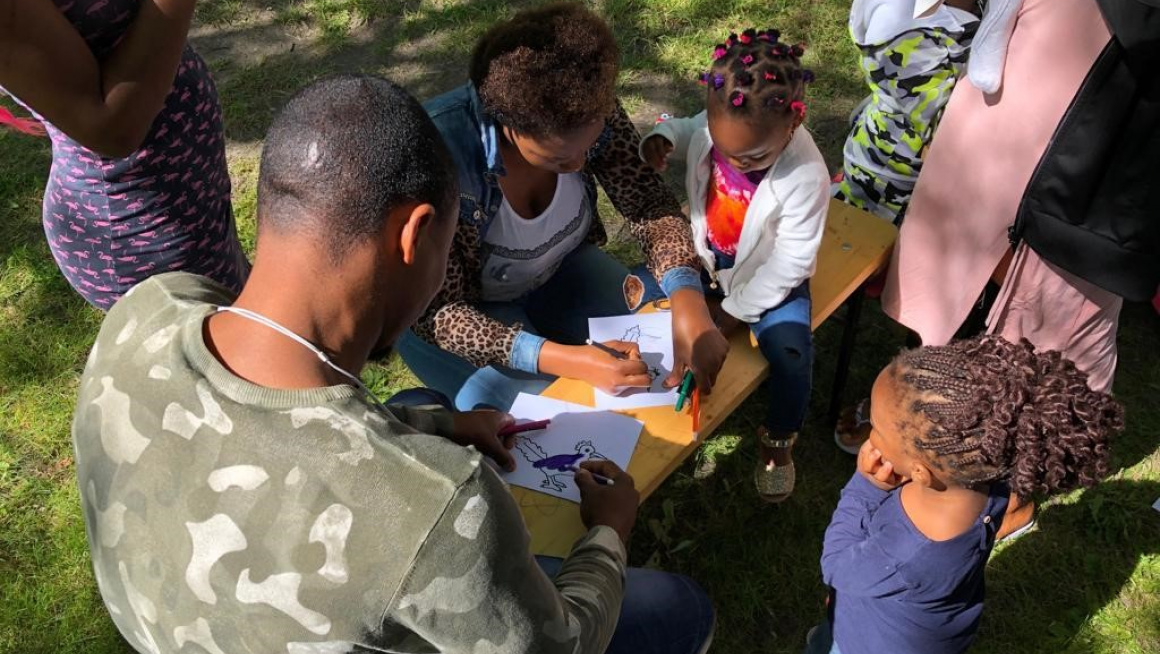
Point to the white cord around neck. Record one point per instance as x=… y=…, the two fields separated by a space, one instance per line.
x=263 y=320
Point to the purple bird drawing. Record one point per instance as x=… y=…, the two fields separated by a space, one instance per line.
x=557 y=465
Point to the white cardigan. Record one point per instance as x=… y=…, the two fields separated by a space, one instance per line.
x=778 y=248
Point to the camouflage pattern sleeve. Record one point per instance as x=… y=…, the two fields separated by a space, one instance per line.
x=640 y=194
x=476 y=587
x=452 y=322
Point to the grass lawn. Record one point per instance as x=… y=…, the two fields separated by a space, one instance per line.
x=1087 y=581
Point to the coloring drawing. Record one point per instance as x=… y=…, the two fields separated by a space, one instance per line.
x=556 y=466
x=546 y=459
x=653 y=334
x=633 y=335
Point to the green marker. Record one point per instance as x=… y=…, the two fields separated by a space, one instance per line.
x=686 y=388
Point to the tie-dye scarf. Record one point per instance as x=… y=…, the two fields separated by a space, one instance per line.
x=727 y=201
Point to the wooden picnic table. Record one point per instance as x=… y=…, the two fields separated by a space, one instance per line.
x=854 y=246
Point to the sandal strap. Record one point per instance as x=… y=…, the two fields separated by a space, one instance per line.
x=777 y=443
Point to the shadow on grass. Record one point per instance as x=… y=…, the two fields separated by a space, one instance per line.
x=426 y=49
x=1137 y=385
x=1044 y=589
x=26 y=162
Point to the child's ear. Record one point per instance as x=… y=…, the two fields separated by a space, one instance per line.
x=921 y=475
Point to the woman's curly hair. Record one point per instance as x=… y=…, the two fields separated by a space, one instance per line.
x=997 y=410
x=548 y=70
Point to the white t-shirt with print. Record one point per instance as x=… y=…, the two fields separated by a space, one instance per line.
x=520 y=254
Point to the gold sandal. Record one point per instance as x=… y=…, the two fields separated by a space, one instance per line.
x=774 y=483
x=853 y=428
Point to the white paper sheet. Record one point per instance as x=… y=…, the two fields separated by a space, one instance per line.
x=578 y=433
x=653 y=332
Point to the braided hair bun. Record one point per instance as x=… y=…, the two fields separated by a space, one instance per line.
x=997 y=410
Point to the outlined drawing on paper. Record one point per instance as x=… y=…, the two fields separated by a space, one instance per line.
x=631 y=335
x=555 y=466
x=544 y=459
x=653 y=334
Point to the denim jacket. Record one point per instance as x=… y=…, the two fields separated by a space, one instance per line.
x=653 y=214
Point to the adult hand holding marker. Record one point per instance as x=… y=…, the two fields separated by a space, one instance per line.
x=612 y=505
x=612 y=367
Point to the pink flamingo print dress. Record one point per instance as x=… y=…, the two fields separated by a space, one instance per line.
x=112 y=223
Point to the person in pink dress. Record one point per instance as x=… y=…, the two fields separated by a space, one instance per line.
x=984 y=205
x=1039 y=179
x=138 y=184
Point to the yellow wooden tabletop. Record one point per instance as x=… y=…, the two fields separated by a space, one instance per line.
x=854 y=246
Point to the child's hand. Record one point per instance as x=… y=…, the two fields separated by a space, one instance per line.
x=656 y=150
x=878 y=472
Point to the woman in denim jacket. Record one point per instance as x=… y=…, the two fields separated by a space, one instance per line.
x=532 y=132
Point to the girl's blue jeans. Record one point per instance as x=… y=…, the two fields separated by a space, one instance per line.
x=588 y=284
x=784 y=336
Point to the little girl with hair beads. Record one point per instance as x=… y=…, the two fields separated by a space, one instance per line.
x=957 y=429
x=758 y=193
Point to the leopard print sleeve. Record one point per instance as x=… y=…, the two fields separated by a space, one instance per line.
x=452 y=322
x=641 y=196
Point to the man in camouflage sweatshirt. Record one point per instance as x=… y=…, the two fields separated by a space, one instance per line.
x=244 y=493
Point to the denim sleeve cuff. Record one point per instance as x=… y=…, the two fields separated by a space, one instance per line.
x=681 y=277
x=526 y=352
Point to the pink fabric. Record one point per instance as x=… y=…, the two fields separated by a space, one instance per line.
x=1056 y=310
x=726 y=204
x=979 y=164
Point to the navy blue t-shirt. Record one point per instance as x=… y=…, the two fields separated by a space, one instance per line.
x=894 y=589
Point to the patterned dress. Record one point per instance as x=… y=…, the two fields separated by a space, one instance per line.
x=112 y=223
x=910 y=76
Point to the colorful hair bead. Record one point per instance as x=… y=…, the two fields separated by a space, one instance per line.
x=747 y=59
x=718 y=80
x=769 y=77
x=798 y=107
x=737 y=98
x=774 y=35
x=775 y=101
x=703 y=78
x=747 y=36
x=732 y=40
x=719 y=51
x=779 y=50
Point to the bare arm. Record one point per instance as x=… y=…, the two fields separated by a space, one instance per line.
x=107 y=106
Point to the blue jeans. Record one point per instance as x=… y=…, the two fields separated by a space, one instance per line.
x=784 y=336
x=588 y=284
x=662 y=613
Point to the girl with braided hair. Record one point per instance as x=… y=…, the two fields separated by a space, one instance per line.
x=957 y=430
x=758 y=192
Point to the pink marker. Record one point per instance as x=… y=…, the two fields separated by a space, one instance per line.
x=527 y=426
